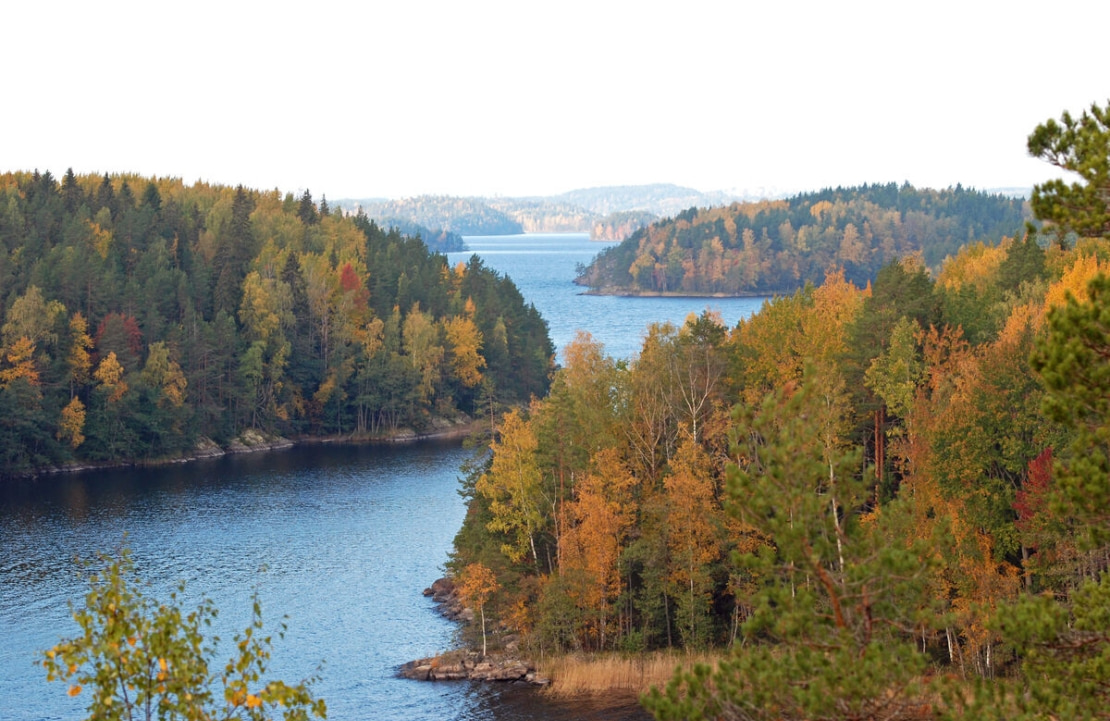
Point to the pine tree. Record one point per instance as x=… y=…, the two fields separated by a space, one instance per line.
x=1080 y=145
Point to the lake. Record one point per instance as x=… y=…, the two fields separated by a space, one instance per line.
x=340 y=539
x=543 y=267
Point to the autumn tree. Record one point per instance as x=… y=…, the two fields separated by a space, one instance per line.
x=72 y=423
x=420 y=336
x=602 y=516
x=465 y=343
x=693 y=537
x=476 y=584
x=20 y=363
x=139 y=658
x=79 y=360
x=512 y=487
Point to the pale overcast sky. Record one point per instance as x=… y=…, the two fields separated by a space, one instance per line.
x=399 y=98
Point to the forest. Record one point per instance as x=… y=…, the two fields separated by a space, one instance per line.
x=142 y=317
x=875 y=501
x=776 y=246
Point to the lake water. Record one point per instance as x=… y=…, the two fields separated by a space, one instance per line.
x=341 y=539
x=543 y=267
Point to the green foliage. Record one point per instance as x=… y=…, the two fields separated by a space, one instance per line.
x=1065 y=661
x=1079 y=145
x=1073 y=363
x=136 y=657
x=828 y=634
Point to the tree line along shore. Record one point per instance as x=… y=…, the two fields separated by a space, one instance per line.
x=143 y=317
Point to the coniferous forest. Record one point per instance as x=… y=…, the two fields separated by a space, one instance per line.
x=141 y=316
x=876 y=501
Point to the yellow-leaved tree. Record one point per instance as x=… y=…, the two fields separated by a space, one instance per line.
x=476 y=584
x=465 y=341
x=136 y=657
x=512 y=487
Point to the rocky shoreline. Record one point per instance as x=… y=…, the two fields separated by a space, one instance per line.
x=254 y=441
x=467 y=665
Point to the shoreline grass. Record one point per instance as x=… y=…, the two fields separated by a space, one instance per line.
x=588 y=674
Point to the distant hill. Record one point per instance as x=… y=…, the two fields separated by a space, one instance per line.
x=660 y=199
x=463 y=216
x=771 y=246
x=607 y=213
x=438 y=240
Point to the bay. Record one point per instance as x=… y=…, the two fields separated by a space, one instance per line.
x=340 y=539
x=543 y=266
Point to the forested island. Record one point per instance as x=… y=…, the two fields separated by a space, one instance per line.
x=143 y=318
x=883 y=501
x=773 y=246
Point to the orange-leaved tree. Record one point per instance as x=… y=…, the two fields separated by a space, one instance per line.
x=476 y=584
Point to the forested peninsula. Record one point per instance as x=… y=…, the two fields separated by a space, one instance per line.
x=883 y=501
x=142 y=317
x=775 y=246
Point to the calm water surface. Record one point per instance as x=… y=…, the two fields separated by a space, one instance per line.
x=543 y=267
x=339 y=539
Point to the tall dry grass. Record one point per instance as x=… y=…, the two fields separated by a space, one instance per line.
x=574 y=675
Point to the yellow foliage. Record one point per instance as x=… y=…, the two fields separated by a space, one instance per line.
x=820 y=208
x=71 y=425
x=513 y=487
x=602 y=512
x=1075 y=280
x=1024 y=317
x=110 y=376
x=476 y=584
x=163 y=372
x=976 y=266
x=21 y=363
x=465 y=341
x=100 y=239
x=79 y=360
x=691 y=510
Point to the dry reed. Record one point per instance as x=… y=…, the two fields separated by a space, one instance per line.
x=577 y=675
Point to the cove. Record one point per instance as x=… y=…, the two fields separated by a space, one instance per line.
x=341 y=539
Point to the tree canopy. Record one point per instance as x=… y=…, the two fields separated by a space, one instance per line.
x=139 y=316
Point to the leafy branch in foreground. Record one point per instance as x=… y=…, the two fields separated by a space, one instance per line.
x=140 y=658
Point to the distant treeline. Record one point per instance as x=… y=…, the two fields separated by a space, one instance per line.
x=141 y=314
x=779 y=245
x=464 y=216
x=607 y=213
x=440 y=241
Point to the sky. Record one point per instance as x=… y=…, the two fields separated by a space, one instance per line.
x=530 y=97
